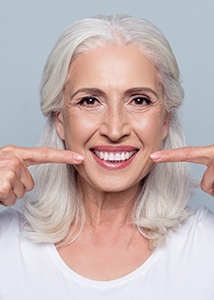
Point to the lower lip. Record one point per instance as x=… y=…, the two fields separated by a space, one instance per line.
x=113 y=165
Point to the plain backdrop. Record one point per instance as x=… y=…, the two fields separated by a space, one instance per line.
x=30 y=28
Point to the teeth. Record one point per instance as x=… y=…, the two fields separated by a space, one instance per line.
x=109 y=156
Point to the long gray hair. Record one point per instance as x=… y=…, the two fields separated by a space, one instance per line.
x=162 y=202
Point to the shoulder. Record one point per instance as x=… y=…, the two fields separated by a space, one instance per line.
x=11 y=221
x=198 y=228
x=201 y=218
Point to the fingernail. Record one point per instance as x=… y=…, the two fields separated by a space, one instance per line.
x=155 y=155
x=78 y=157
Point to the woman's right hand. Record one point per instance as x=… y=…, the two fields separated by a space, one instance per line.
x=15 y=178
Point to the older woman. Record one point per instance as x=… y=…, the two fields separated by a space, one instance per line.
x=104 y=221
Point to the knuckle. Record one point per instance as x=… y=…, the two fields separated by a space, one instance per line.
x=5 y=189
x=14 y=163
x=9 y=149
x=20 y=194
x=10 y=200
x=10 y=176
x=30 y=186
x=188 y=151
x=9 y=157
x=45 y=151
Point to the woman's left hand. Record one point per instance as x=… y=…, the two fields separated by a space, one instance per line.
x=199 y=155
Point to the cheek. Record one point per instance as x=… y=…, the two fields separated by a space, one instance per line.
x=78 y=129
x=151 y=130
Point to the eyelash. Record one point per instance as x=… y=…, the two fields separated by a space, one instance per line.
x=90 y=100
x=143 y=99
x=139 y=100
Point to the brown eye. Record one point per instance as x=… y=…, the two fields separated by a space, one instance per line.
x=142 y=100
x=88 y=101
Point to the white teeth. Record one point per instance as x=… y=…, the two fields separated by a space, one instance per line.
x=105 y=156
x=117 y=156
x=109 y=156
x=122 y=156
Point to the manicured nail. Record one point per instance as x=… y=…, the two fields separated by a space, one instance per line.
x=155 y=155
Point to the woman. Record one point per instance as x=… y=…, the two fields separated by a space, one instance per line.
x=105 y=220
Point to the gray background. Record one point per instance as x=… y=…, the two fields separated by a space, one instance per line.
x=29 y=29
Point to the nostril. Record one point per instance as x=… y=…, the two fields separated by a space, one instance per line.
x=114 y=132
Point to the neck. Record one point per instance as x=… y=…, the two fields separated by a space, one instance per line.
x=108 y=208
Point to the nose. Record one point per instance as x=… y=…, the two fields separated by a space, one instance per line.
x=115 y=125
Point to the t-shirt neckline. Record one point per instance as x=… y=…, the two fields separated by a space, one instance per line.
x=140 y=271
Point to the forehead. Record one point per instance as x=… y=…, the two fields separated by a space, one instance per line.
x=113 y=66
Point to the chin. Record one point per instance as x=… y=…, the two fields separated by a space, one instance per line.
x=116 y=187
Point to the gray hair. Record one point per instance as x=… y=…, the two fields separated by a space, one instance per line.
x=162 y=203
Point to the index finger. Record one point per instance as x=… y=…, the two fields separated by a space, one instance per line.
x=41 y=155
x=199 y=155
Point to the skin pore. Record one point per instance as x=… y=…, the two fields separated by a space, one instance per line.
x=114 y=116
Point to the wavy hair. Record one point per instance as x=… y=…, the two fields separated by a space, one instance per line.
x=57 y=204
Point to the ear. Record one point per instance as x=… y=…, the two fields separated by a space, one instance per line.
x=59 y=124
x=166 y=126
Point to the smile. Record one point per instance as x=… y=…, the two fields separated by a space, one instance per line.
x=114 y=157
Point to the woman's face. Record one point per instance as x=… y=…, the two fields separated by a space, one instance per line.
x=114 y=115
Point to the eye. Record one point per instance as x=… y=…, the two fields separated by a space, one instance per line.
x=88 y=101
x=142 y=100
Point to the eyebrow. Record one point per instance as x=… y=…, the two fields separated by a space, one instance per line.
x=131 y=91
x=94 y=91
x=139 y=90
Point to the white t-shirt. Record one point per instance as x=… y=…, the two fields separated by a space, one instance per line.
x=182 y=269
